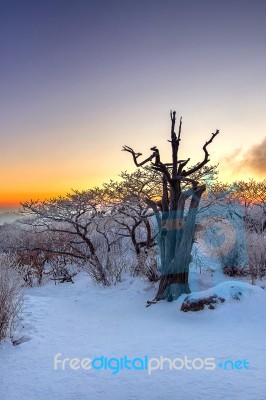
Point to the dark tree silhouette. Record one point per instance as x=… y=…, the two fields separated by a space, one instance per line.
x=176 y=230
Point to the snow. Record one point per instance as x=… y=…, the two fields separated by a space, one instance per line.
x=85 y=320
x=229 y=291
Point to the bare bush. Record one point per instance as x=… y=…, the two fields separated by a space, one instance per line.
x=40 y=254
x=256 y=244
x=10 y=295
x=146 y=266
x=240 y=271
x=112 y=261
x=60 y=271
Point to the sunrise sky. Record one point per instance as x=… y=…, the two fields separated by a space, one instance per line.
x=79 y=79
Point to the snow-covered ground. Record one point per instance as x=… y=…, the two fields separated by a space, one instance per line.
x=88 y=321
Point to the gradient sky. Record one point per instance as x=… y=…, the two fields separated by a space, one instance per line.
x=78 y=79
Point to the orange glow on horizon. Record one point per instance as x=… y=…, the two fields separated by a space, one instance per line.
x=12 y=199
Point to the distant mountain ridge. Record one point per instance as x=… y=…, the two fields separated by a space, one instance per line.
x=7 y=217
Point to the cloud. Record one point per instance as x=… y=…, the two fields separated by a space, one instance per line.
x=255 y=158
x=231 y=158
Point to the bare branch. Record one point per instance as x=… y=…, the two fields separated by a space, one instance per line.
x=206 y=158
x=136 y=155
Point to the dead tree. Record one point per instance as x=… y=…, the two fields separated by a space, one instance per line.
x=176 y=230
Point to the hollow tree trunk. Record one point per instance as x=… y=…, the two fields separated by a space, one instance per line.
x=175 y=243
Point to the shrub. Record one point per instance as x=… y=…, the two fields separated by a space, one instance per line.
x=10 y=295
x=256 y=243
x=146 y=266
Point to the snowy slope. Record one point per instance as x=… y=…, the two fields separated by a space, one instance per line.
x=83 y=320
